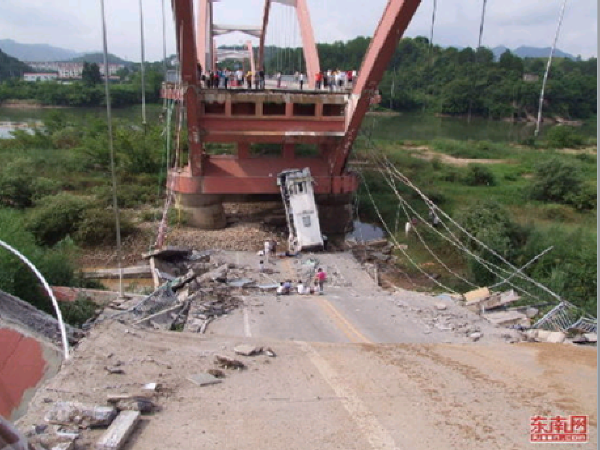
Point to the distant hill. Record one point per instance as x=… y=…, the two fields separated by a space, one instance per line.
x=98 y=58
x=36 y=52
x=531 y=52
x=11 y=67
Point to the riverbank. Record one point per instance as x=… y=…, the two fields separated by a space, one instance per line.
x=28 y=104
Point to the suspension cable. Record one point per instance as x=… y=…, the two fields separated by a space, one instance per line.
x=457 y=243
x=541 y=103
x=59 y=317
x=433 y=206
x=142 y=46
x=481 y=24
x=396 y=243
x=111 y=151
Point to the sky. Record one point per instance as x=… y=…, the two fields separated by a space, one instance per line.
x=76 y=24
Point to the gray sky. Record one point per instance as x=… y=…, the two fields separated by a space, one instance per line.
x=76 y=24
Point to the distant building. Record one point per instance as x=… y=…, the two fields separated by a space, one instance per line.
x=72 y=70
x=530 y=77
x=40 y=76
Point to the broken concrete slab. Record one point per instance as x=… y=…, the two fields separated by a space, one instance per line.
x=556 y=337
x=506 y=318
x=219 y=274
x=240 y=282
x=441 y=306
x=475 y=336
x=168 y=252
x=247 y=350
x=203 y=379
x=476 y=295
x=128 y=272
x=591 y=337
x=75 y=413
x=162 y=320
x=119 y=431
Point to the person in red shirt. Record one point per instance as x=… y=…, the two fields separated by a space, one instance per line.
x=320 y=278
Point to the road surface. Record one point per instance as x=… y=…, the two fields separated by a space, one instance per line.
x=357 y=368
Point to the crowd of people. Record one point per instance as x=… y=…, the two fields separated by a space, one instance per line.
x=223 y=78
x=335 y=80
x=287 y=287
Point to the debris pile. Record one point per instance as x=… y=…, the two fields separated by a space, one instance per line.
x=191 y=292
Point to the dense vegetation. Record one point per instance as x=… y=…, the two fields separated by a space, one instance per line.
x=55 y=197
x=89 y=91
x=459 y=82
x=11 y=67
x=534 y=198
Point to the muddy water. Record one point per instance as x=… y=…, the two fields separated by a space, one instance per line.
x=365 y=232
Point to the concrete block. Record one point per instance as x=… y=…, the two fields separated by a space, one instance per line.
x=591 y=337
x=476 y=295
x=203 y=379
x=119 y=431
x=556 y=337
x=69 y=413
x=506 y=318
x=542 y=335
x=247 y=350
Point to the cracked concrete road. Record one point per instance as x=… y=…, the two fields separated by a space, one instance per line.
x=357 y=368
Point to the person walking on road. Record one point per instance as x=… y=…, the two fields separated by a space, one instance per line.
x=320 y=278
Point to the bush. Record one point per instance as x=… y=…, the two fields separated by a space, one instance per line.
x=97 y=226
x=16 y=188
x=557 y=180
x=78 y=312
x=562 y=136
x=56 y=217
x=490 y=223
x=130 y=196
x=570 y=269
x=55 y=264
x=478 y=175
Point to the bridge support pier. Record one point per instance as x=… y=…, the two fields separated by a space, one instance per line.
x=335 y=213
x=205 y=210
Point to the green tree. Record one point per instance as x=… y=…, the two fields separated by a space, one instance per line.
x=90 y=74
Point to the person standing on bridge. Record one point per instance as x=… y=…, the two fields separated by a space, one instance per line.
x=318 y=79
x=261 y=76
x=320 y=278
x=278 y=76
x=249 y=79
x=301 y=80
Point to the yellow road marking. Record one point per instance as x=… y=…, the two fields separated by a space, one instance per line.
x=342 y=323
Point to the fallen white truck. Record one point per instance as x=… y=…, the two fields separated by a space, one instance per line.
x=301 y=212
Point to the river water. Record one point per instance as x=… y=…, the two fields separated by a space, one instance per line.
x=406 y=126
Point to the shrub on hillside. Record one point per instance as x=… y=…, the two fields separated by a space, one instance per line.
x=491 y=224
x=78 y=312
x=16 y=189
x=55 y=264
x=129 y=196
x=478 y=175
x=562 y=136
x=56 y=217
x=97 y=226
x=559 y=180
x=570 y=269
